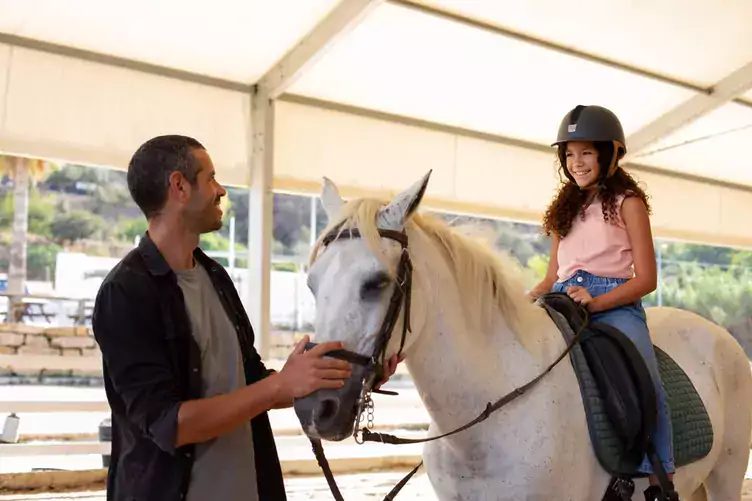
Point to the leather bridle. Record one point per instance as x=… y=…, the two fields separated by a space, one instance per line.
x=375 y=363
x=402 y=293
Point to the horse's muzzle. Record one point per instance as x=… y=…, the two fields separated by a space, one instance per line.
x=329 y=414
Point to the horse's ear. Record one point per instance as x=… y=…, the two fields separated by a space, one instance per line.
x=331 y=199
x=399 y=210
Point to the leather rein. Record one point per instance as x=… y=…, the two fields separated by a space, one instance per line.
x=374 y=366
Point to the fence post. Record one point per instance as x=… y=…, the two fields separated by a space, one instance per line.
x=105 y=435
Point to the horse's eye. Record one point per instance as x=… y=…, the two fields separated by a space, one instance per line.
x=372 y=287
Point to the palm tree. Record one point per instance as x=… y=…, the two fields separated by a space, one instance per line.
x=23 y=172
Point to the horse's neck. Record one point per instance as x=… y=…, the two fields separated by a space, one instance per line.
x=457 y=372
x=455 y=366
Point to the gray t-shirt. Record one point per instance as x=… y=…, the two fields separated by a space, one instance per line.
x=224 y=467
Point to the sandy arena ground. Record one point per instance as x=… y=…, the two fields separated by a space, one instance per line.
x=363 y=487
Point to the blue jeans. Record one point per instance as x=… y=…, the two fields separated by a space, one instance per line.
x=631 y=320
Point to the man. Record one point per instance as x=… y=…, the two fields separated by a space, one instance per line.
x=188 y=392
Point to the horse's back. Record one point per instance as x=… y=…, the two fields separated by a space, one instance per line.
x=720 y=371
x=705 y=350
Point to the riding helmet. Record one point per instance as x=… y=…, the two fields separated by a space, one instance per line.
x=593 y=123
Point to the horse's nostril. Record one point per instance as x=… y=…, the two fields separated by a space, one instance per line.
x=328 y=409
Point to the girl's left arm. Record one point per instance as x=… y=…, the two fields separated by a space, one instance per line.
x=637 y=221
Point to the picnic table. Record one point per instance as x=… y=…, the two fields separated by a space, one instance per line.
x=34 y=306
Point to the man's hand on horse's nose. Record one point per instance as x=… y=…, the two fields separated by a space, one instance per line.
x=307 y=371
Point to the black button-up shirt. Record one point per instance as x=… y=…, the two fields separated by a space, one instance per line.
x=151 y=364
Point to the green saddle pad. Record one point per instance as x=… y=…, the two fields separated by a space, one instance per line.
x=692 y=429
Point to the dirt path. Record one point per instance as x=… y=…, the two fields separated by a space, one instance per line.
x=354 y=488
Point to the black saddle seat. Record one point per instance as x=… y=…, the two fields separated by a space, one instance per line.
x=619 y=370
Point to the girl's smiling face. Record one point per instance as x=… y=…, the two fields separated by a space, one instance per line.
x=582 y=162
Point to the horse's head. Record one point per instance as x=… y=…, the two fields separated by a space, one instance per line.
x=360 y=277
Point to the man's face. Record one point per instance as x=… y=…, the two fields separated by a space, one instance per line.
x=201 y=212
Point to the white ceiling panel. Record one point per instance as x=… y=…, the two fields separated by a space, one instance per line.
x=404 y=62
x=715 y=146
x=697 y=41
x=96 y=114
x=228 y=39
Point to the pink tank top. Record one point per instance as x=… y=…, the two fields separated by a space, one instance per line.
x=596 y=246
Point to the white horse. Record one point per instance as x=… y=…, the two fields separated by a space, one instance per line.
x=475 y=336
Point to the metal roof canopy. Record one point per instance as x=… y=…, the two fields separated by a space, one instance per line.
x=374 y=92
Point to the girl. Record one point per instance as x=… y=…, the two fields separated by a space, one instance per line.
x=602 y=252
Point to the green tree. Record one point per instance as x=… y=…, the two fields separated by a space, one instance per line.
x=292 y=217
x=75 y=225
x=41 y=213
x=291 y=223
x=216 y=242
x=538 y=264
x=721 y=295
x=107 y=197
x=130 y=228
x=237 y=207
x=707 y=254
x=41 y=258
x=70 y=176
x=522 y=241
x=6 y=211
x=24 y=172
x=742 y=258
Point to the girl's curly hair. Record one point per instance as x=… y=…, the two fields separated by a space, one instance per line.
x=570 y=201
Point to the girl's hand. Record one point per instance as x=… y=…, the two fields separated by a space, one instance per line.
x=579 y=295
x=389 y=370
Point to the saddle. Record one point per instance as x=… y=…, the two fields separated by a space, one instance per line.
x=621 y=404
x=620 y=401
x=620 y=373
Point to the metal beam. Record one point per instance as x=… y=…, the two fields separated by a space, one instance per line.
x=728 y=89
x=260 y=204
x=343 y=18
x=340 y=21
x=486 y=136
x=418 y=6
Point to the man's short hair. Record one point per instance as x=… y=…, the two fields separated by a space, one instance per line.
x=150 y=168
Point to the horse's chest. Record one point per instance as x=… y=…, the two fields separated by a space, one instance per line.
x=483 y=473
x=499 y=446
x=515 y=469
x=526 y=450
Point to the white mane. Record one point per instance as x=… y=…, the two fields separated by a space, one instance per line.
x=490 y=283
